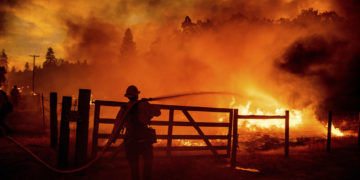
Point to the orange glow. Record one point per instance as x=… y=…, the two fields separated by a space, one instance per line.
x=336 y=131
x=231 y=45
x=296 y=118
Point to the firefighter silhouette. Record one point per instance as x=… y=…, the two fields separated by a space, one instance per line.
x=15 y=95
x=138 y=138
x=5 y=108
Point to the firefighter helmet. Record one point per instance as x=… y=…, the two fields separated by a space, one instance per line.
x=132 y=91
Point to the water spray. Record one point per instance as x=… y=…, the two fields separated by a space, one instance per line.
x=191 y=94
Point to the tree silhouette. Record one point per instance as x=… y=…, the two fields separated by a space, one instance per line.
x=13 y=69
x=128 y=46
x=4 y=60
x=2 y=75
x=27 y=66
x=50 y=58
x=187 y=22
x=187 y=25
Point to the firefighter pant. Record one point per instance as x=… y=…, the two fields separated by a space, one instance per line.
x=133 y=152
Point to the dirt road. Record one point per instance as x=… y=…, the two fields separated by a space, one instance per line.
x=304 y=163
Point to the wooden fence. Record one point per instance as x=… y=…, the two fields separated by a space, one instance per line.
x=170 y=123
x=81 y=117
x=261 y=117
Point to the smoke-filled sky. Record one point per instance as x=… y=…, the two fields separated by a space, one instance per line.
x=31 y=26
x=302 y=53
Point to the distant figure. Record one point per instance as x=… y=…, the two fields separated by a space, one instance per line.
x=15 y=95
x=5 y=108
x=139 y=137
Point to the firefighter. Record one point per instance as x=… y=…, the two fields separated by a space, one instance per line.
x=15 y=95
x=5 y=108
x=135 y=118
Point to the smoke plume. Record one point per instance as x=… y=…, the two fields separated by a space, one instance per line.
x=329 y=61
x=295 y=53
x=93 y=40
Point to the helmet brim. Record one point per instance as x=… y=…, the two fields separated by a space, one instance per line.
x=131 y=94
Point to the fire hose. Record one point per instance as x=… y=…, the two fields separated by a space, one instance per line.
x=104 y=149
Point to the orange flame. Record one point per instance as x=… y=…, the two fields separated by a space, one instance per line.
x=296 y=118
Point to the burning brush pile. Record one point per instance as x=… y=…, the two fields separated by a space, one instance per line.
x=268 y=134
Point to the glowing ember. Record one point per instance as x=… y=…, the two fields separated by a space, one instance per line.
x=247 y=169
x=336 y=131
x=185 y=142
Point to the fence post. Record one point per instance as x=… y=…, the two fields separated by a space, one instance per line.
x=287 y=129
x=328 y=145
x=231 y=118
x=43 y=111
x=95 y=130
x=64 y=133
x=170 y=130
x=358 y=118
x=82 y=127
x=53 y=120
x=235 y=138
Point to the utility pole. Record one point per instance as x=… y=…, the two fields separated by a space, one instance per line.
x=33 y=76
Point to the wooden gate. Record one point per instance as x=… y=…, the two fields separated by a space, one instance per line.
x=170 y=123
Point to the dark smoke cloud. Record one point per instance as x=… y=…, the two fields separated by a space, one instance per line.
x=326 y=55
x=330 y=61
x=3 y=20
x=261 y=9
x=349 y=8
x=92 y=39
x=10 y=3
x=169 y=11
x=305 y=53
x=6 y=13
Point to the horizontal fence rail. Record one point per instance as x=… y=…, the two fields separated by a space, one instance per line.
x=166 y=123
x=235 y=131
x=170 y=123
